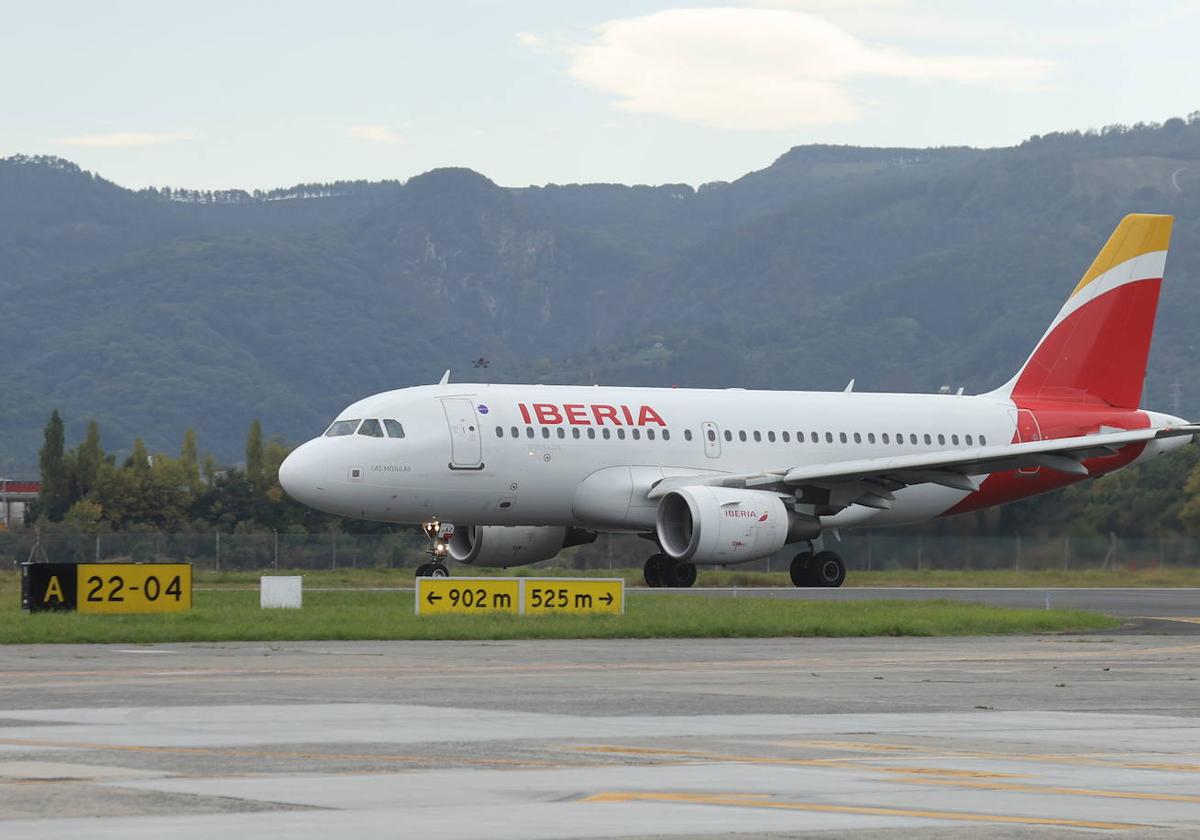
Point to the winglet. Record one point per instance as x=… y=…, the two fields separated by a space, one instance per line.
x=445 y=380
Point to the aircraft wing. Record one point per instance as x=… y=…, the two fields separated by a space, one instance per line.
x=872 y=481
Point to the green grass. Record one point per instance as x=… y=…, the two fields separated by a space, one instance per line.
x=235 y=616
x=1164 y=577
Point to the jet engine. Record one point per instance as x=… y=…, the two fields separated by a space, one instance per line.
x=720 y=525
x=512 y=545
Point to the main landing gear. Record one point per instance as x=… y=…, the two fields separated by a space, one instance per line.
x=824 y=568
x=439 y=548
x=661 y=570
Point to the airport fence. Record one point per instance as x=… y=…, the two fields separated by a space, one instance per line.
x=862 y=551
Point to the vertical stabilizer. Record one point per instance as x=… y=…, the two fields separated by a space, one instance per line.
x=1096 y=348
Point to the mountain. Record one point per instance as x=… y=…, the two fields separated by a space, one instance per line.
x=906 y=269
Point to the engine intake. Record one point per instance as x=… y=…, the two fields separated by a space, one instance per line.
x=719 y=525
x=507 y=545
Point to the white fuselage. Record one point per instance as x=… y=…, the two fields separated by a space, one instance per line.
x=585 y=456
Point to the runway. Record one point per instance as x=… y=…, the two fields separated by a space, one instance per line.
x=1002 y=737
x=1139 y=602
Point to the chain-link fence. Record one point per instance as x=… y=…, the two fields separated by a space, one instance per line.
x=862 y=551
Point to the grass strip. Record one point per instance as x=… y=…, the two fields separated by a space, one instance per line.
x=219 y=616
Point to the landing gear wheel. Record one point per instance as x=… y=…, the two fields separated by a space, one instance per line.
x=653 y=570
x=437 y=570
x=423 y=570
x=677 y=575
x=801 y=570
x=828 y=569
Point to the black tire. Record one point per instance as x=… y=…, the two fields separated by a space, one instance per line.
x=423 y=570
x=437 y=570
x=676 y=575
x=828 y=569
x=652 y=571
x=801 y=570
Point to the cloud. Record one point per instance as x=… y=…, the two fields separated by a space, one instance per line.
x=123 y=139
x=374 y=134
x=529 y=39
x=756 y=69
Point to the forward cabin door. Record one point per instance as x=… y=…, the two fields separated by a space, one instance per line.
x=466 y=445
x=712 y=439
x=1028 y=431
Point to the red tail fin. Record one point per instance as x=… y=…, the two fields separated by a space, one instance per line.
x=1096 y=349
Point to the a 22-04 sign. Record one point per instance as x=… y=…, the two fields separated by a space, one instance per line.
x=107 y=587
x=521 y=596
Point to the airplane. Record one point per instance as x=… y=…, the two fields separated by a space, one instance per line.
x=719 y=477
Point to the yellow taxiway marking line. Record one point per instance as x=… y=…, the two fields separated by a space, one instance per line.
x=79 y=745
x=701 y=755
x=743 y=801
x=1190 y=619
x=1058 y=791
x=1042 y=758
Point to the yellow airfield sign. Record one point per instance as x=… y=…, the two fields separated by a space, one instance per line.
x=467 y=596
x=107 y=588
x=519 y=596
x=545 y=596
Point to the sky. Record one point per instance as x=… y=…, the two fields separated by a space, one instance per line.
x=257 y=94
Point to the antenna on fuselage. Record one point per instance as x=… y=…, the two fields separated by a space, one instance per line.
x=849 y=387
x=445 y=380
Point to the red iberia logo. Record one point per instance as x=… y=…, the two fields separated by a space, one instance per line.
x=579 y=414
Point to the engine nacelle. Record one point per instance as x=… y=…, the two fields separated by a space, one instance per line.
x=505 y=545
x=719 y=525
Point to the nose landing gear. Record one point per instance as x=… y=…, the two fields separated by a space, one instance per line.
x=439 y=548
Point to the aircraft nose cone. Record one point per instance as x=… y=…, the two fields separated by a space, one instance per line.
x=301 y=474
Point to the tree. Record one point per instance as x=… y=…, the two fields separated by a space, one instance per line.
x=88 y=457
x=254 y=454
x=53 y=499
x=189 y=457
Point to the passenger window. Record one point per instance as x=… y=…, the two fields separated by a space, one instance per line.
x=870 y=437
x=620 y=434
x=592 y=434
x=712 y=435
x=636 y=434
x=575 y=433
x=770 y=437
x=562 y=433
x=758 y=437
x=607 y=433
x=954 y=439
x=742 y=437
x=842 y=437
x=982 y=440
x=928 y=440
x=371 y=428
x=500 y=431
x=515 y=432
x=529 y=431
x=394 y=429
x=899 y=440
x=687 y=434
x=912 y=439
x=969 y=443
x=829 y=437
x=666 y=434
x=545 y=431
x=728 y=436
x=857 y=437
x=649 y=434
x=816 y=438
x=787 y=437
x=884 y=438
x=941 y=440
x=341 y=428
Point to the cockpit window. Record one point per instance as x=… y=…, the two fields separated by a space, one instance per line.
x=341 y=428
x=394 y=429
x=371 y=428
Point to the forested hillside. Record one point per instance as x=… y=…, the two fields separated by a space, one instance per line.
x=157 y=310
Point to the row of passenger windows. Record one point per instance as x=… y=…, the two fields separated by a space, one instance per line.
x=758 y=437
x=370 y=428
x=576 y=433
x=843 y=437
